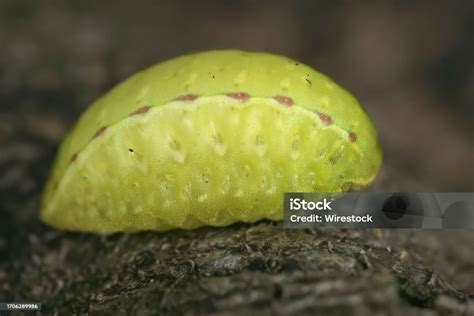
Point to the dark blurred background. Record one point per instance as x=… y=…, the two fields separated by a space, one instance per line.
x=410 y=63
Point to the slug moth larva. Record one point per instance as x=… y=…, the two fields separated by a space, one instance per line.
x=209 y=139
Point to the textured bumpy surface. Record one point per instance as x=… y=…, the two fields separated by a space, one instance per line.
x=209 y=139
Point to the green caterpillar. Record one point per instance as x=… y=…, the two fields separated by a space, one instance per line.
x=209 y=139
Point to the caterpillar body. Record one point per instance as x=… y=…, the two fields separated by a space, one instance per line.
x=209 y=139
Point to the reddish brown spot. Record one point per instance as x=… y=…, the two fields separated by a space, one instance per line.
x=326 y=119
x=141 y=110
x=241 y=96
x=73 y=157
x=100 y=131
x=187 y=97
x=352 y=137
x=284 y=100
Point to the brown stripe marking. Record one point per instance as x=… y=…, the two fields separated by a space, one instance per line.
x=141 y=110
x=73 y=158
x=352 y=137
x=326 y=119
x=187 y=97
x=241 y=96
x=99 y=132
x=284 y=100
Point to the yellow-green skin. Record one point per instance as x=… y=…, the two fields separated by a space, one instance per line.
x=209 y=139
